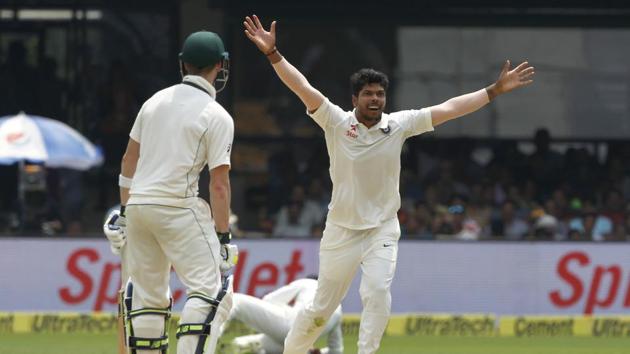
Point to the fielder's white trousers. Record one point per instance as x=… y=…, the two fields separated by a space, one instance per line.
x=341 y=253
x=159 y=236
x=271 y=320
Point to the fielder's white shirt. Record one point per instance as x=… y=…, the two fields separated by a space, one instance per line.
x=180 y=129
x=365 y=163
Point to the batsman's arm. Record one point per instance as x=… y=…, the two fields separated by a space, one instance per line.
x=461 y=105
x=220 y=196
x=290 y=76
x=128 y=168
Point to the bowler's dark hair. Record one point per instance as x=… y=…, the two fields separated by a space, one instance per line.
x=365 y=77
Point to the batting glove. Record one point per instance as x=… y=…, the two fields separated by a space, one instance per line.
x=115 y=228
x=229 y=257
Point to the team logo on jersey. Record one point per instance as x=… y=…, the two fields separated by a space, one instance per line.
x=229 y=147
x=386 y=130
x=352 y=132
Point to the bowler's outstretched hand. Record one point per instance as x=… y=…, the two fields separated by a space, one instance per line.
x=264 y=40
x=520 y=76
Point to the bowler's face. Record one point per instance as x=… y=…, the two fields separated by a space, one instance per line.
x=370 y=103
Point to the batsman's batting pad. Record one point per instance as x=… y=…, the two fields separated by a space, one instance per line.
x=203 y=329
x=203 y=49
x=145 y=328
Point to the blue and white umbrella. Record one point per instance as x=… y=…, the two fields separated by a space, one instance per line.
x=39 y=139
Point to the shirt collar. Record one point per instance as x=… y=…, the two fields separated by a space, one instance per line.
x=383 y=124
x=200 y=81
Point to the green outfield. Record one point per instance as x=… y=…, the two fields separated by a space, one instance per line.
x=106 y=344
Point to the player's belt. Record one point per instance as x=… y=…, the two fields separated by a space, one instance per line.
x=196 y=86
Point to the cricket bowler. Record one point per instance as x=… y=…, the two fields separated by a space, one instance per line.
x=364 y=147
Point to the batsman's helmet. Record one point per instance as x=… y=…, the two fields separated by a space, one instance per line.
x=203 y=49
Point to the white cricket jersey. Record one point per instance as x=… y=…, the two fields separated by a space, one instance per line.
x=180 y=129
x=299 y=293
x=365 y=163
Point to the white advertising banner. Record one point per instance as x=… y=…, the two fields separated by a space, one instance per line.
x=445 y=277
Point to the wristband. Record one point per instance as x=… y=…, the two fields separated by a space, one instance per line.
x=492 y=92
x=224 y=237
x=122 y=210
x=274 y=56
x=124 y=181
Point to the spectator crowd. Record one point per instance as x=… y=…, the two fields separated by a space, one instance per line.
x=475 y=190
x=455 y=188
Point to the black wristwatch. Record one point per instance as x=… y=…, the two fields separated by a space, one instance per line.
x=224 y=237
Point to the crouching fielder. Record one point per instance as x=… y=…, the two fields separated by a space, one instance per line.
x=273 y=315
x=176 y=133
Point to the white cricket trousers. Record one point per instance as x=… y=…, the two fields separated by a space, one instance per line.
x=341 y=252
x=159 y=236
x=272 y=321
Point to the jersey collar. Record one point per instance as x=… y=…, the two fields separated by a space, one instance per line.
x=200 y=81
x=383 y=124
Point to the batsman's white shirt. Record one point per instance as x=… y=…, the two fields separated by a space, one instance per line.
x=184 y=129
x=365 y=163
x=180 y=129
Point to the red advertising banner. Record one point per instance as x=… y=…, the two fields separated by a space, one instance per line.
x=445 y=277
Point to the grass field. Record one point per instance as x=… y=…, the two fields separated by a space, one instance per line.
x=106 y=344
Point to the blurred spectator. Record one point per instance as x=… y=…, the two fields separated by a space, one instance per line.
x=509 y=225
x=552 y=209
x=546 y=228
x=283 y=175
x=506 y=154
x=480 y=205
x=455 y=222
x=619 y=233
x=319 y=195
x=544 y=164
x=446 y=183
x=418 y=223
x=591 y=225
x=614 y=206
x=299 y=218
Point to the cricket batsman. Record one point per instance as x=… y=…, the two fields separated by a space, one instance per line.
x=177 y=132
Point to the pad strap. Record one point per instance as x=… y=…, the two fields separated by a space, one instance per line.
x=201 y=329
x=151 y=311
x=142 y=343
x=139 y=343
